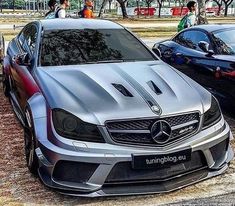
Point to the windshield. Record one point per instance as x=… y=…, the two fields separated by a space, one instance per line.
x=71 y=47
x=225 y=41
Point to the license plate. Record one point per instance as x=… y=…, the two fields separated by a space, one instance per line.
x=160 y=160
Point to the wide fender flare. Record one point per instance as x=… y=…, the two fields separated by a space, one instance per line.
x=38 y=108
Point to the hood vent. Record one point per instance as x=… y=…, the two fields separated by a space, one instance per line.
x=154 y=87
x=122 y=89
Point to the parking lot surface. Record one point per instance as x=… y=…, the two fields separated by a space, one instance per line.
x=18 y=186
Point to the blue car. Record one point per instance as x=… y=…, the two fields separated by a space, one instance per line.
x=206 y=53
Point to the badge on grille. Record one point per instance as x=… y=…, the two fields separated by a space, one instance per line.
x=161 y=132
x=157 y=110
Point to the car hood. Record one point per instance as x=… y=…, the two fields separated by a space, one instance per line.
x=99 y=92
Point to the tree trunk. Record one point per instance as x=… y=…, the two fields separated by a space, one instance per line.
x=110 y=2
x=37 y=5
x=225 y=10
x=226 y=5
x=123 y=7
x=159 y=11
x=219 y=9
x=102 y=8
x=14 y=5
x=148 y=5
x=219 y=3
x=0 y=5
x=202 y=9
x=138 y=8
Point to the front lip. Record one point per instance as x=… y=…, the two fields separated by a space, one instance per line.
x=108 y=155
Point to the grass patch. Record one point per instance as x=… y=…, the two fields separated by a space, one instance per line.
x=155 y=34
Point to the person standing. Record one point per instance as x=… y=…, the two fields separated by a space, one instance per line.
x=61 y=12
x=189 y=19
x=52 y=6
x=191 y=16
x=88 y=13
x=87 y=10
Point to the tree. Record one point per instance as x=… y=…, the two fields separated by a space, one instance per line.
x=219 y=3
x=202 y=11
x=1 y=5
x=104 y=2
x=160 y=2
x=110 y=2
x=13 y=5
x=148 y=2
x=123 y=8
x=226 y=5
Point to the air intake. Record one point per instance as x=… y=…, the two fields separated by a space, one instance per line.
x=123 y=90
x=154 y=87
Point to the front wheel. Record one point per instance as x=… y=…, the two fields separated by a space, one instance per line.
x=30 y=143
x=6 y=86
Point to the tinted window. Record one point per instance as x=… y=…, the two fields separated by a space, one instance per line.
x=225 y=41
x=71 y=47
x=191 y=39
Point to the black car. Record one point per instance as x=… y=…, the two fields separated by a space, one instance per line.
x=206 y=53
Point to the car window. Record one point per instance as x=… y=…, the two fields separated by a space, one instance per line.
x=225 y=41
x=74 y=46
x=191 y=39
x=27 y=38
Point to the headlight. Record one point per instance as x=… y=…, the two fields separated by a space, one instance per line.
x=213 y=115
x=71 y=127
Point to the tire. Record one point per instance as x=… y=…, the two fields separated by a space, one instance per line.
x=30 y=144
x=6 y=86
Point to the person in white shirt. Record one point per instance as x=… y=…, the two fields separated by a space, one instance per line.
x=64 y=4
x=191 y=18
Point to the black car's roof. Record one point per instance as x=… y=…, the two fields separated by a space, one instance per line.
x=51 y=24
x=214 y=27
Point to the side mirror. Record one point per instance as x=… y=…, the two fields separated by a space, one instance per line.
x=22 y=59
x=204 y=46
x=156 y=50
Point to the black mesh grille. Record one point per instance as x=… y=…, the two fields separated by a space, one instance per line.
x=133 y=138
x=218 y=151
x=131 y=125
x=122 y=172
x=73 y=171
x=146 y=124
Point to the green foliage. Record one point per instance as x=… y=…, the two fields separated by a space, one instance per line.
x=19 y=4
x=74 y=4
x=133 y=3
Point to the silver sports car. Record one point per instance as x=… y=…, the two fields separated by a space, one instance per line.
x=102 y=115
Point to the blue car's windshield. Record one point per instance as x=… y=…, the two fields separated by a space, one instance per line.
x=71 y=47
x=225 y=41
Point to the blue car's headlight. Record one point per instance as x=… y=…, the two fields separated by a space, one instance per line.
x=213 y=115
x=71 y=127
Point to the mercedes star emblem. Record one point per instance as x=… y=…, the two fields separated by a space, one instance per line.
x=161 y=132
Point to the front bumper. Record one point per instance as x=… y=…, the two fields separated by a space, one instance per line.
x=95 y=169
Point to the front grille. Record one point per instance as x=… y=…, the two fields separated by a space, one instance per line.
x=123 y=172
x=139 y=131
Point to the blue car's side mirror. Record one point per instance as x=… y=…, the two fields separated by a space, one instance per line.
x=204 y=46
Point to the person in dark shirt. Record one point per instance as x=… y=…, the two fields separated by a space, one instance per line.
x=52 y=5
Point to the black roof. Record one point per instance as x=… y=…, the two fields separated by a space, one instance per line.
x=67 y=23
x=214 y=27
